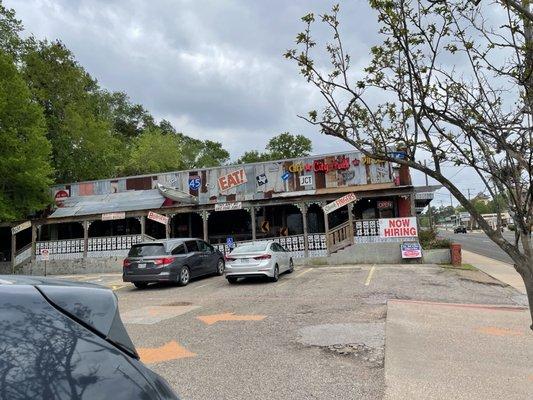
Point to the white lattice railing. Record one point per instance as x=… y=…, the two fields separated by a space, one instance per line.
x=108 y=246
x=294 y=244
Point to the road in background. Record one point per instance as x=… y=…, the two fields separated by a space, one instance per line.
x=478 y=242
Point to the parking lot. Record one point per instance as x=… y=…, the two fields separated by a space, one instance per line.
x=317 y=333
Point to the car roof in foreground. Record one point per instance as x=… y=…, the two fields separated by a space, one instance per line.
x=165 y=241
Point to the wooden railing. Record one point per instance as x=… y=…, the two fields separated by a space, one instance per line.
x=340 y=237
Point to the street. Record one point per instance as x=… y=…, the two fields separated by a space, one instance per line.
x=478 y=242
x=318 y=333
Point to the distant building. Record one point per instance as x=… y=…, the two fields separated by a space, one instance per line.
x=482 y=197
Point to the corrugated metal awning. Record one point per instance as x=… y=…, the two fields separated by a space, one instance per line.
x=131 y=200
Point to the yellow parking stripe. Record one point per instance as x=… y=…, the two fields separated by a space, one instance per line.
x=370 y=274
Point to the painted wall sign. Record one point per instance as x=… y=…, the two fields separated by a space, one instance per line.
x=411 y=250
x=340 y=202
x=113 y=216
x=306 y=180
x=21 y=227
x=231 y=180
x=398 y=227
x=261 y=179
x=158 y=218
x=286 y=176
x=195 y=182
x=228 y=206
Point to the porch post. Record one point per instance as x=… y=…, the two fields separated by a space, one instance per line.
x=205 y=217
x=303 y=208
x=13 y=249
x=350 y=220
x=143 y=226
x=167 y=228
x=326 y=229
x=34 y=228
x=85 y=238
x=252 y=215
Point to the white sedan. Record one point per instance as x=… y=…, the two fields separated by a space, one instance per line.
x=267 y=259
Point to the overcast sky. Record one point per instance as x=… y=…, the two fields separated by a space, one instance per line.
x=214 y=68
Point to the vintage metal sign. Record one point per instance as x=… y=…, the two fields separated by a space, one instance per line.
x=261 y=179
x=411 y=250
x=195 y=182
x=306 y=180
x=231 y=180
x=398 y=227
x=60 y=195
x=113 y=216
x=21 y=227
x=158 y=218
x=228 y=206
x=341 y=202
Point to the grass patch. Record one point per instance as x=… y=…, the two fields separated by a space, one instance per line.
x=465 y=267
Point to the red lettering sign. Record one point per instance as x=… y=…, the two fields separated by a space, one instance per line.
x=231 y=180
x=398 y=227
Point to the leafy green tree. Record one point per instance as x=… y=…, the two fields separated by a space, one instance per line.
x=253 y=156
x=84 y=145
x=10 y=28
x=154 y=151
x=25 y=171
x=286 y=145
x=129 y=120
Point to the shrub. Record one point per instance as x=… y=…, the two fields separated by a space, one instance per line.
x=428 y=240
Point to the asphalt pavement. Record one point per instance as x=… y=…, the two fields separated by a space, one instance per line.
x=478 y=242
x=318 y=333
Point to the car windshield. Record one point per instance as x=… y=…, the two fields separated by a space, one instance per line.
x=147 y=250
x=250 y=248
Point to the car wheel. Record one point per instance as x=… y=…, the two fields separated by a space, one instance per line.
x=140 y=285
x=232 y=279
x=184 y=276
x=220 y=267
x=291 y=267
x=275 y=278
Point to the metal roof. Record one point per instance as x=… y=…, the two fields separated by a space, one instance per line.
x=107 y=203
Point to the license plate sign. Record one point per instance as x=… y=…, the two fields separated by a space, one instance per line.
x=141 y=265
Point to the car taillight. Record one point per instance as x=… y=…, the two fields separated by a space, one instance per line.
x=163 y=261
x=227 y=258
x=126 y=263
x=263 y=257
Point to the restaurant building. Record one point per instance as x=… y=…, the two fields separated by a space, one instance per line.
x=290 y=201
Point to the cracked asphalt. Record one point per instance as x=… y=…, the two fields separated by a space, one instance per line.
x=317 y=333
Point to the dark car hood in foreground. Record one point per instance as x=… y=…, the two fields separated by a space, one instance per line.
x=65 y=340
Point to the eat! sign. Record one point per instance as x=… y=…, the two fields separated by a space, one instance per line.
x=233 y=179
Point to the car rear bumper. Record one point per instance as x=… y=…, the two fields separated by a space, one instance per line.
x=163 y=276
x=262 y=270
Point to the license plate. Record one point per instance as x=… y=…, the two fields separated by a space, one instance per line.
x=243 y=260
x=142 y=265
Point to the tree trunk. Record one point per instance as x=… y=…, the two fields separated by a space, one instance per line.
x=526 y=271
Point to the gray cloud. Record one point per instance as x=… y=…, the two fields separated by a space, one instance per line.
x=214 y=68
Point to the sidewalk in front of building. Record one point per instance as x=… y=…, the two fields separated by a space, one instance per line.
x=504 y=272
x=457 y=351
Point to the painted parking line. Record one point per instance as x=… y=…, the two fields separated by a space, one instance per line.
x=370 y=274
x=213 y=319
x=169 y=351
x=303 y=272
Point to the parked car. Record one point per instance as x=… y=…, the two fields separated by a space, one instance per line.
x=268 y=259
x=459 y=229
x=65 y=340
x=171 y=260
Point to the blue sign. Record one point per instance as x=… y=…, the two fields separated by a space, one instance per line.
x=286 y=176
x=230 y=243
x=195 y=183
x=398 y=154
